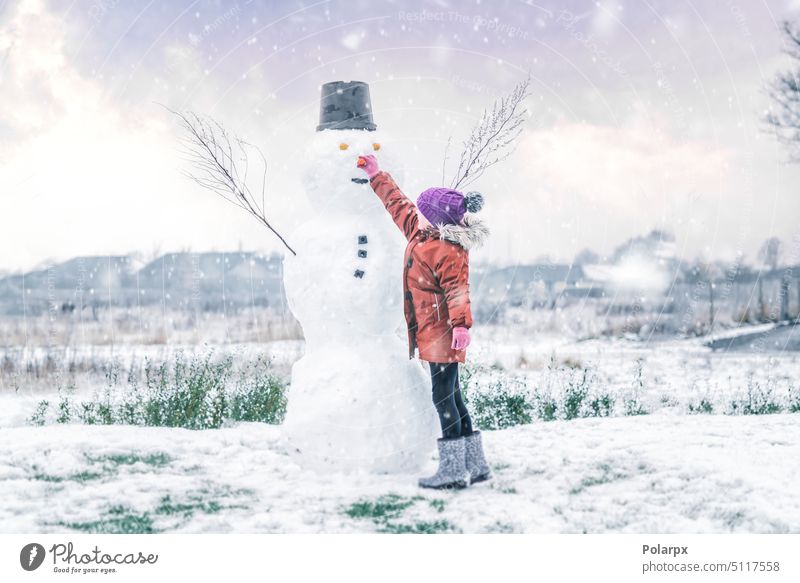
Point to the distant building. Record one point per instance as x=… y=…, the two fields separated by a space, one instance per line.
x=195 y=281
x=537 y=285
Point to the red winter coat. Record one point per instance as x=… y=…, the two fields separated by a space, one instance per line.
x=435 y=275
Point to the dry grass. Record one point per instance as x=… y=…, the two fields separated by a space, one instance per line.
x=41 y=353
x=127 y=326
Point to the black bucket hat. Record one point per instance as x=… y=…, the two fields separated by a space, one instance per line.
x=345 y=105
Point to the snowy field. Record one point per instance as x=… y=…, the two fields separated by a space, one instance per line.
x=665 y=471
x=655 y=473
x=669 y=374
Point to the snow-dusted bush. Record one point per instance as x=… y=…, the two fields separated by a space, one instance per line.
x=198 y=392
x=498 y=402
x=546 y=406
x=632 y=402
x=501 y=409
x=702 y=406
x=569 y=390
x=601 y=405
x=758 y=399
x=794 y=399
x=39 y=415
x=575 y=394
x=566 y=390
x=258 y=397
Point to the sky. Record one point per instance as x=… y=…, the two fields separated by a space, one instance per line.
x=643 y=115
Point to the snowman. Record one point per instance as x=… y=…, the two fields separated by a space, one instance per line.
x=356 y=401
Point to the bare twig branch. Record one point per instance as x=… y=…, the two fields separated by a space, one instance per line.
x=494 y=137
x=220 y=163
x=783 y=118
x=444 y=161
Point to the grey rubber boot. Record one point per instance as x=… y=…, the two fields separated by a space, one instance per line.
x=452 y=472
x=475 y=460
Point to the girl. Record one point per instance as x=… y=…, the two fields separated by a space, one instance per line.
x=437 y=309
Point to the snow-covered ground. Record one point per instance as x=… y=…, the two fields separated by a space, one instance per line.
x=668 y=471
x=655 y=473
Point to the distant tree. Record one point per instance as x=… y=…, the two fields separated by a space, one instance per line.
x=155 y=253
x=783 y=118
x=655 y=244
x=784 y=296
x=702 y=275
x=797 y=287
x=586 y=257
x=770 y=252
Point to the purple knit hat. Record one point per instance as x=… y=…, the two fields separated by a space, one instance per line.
x=447 y=206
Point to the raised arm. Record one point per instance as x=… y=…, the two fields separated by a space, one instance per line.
x=402 y=210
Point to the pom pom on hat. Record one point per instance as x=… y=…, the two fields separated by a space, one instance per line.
x=473 y=201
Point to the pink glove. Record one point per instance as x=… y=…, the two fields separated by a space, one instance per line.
x=369 y=165
x=461 y=338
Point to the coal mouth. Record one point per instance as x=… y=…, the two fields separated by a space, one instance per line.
x=359 y=180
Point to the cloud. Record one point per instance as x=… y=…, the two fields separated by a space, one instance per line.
x=620 y=166
x=83 y=173
x=90 y=166
x=577 y=185
x=353 y=40
x=606 y=17
x=32 y=63
x=90 y=163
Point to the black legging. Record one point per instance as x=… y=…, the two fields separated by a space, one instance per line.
x=453 y=414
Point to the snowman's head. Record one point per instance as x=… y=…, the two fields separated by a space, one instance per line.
x=334 y=183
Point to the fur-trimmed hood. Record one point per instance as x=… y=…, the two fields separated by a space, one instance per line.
x=471 y=233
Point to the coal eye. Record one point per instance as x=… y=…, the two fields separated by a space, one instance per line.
x=343 y=146
x=376 y=146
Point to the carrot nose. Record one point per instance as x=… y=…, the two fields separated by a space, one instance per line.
x=361 y=162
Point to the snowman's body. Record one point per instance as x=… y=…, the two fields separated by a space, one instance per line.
x=356 y=401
